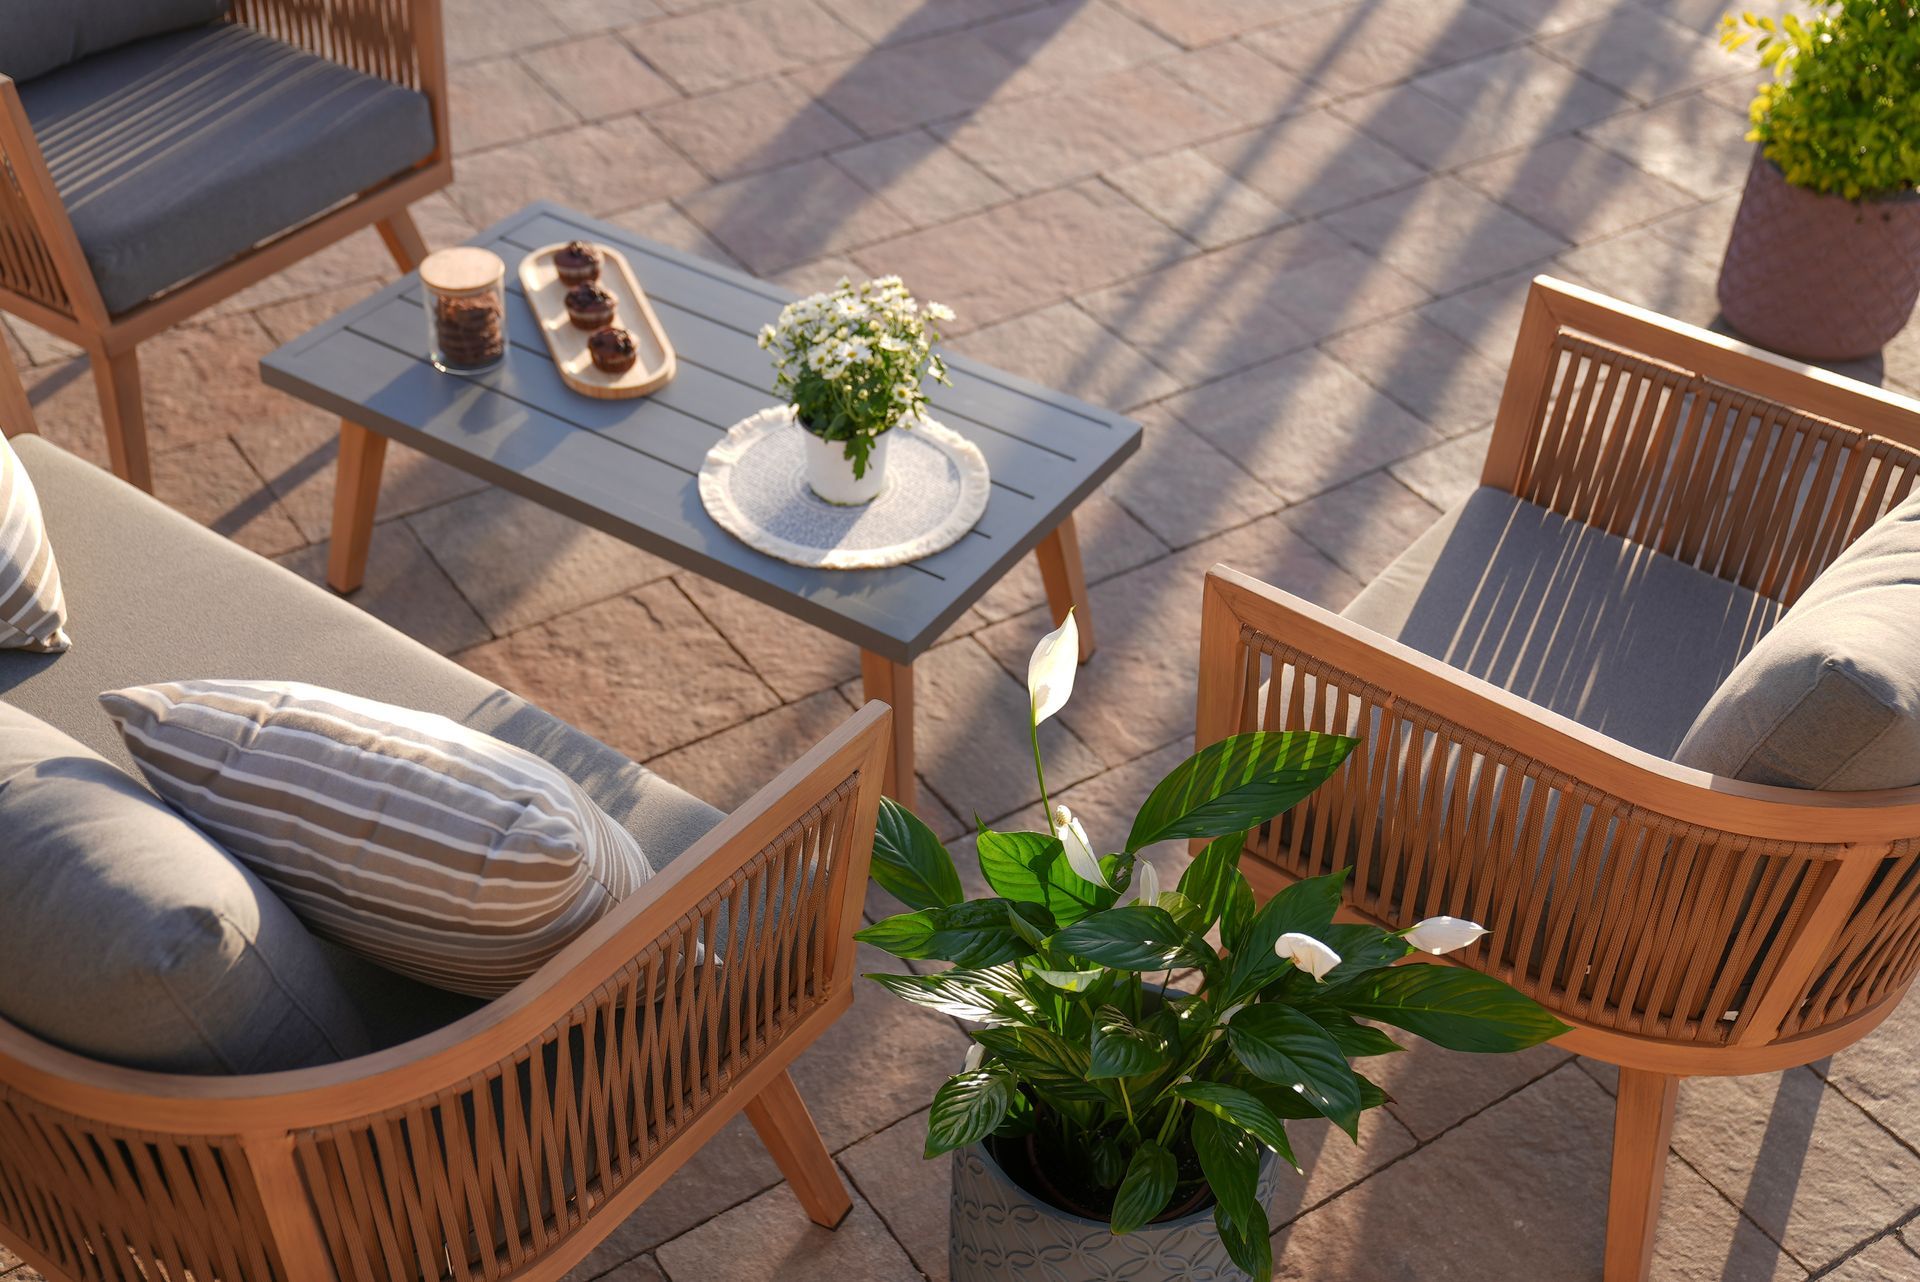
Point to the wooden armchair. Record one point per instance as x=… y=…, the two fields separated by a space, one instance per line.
x=46 y=276
x=1682 y=923
x=506 y=1145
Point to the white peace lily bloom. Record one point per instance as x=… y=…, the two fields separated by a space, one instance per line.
x=1051 y=670
x=1439 y=935
x=1080 y=856
x=1145 y=888
x=1308 y=953
x=975 y=1054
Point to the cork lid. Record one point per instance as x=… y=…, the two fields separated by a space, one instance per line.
x=462 y=270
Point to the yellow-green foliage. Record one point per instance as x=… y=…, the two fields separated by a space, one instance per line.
x=1842 y=112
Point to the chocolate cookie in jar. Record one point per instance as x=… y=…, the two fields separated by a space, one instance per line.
x=466 y=299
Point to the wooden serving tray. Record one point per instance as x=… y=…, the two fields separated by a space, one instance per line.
x=546 y=295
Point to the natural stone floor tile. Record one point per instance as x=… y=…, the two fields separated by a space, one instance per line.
x=1513 y=98
x=822 y=211
x=1446 y=235
x=1643 y=268
x=520 y=563
x=1252 y=90
x=36 y=344
x=1550 y=17
x=793 y=658
x=597 y=168
x=1886 y=1260
x=1303 y=424
x=908 y=1191
x=1330 y=1162
x=211 y=482
x=751 y=127
x=1111 y=541
x=1035 y=143
x=1434 y=1089
x=1806 y=1164
x=584 y=17
x=1027 y=253
x=1198 y=199
x=728 y=768
x=490 y=27
x=1363 y=525
x=1882 y=1075
x=717 y=47
x=642 y=672
x=1182 y=488
x=1363 y=46
x=403 y=588
x=1195 y=23
x=1066 y=40
x=499 y=101
x=299 y=461
x=1692 y=142
x=1424 y=368
x=288 y=320
x=1211 y=315
x=1647 y=56
x=641 y=1269
x=1576 y=188
x=1486 y=317
x=1063 y=348
x=599 y=77
x=919 y=177
x=1313 y=162
x=1446 y=474
x=892 y=21
x=1702 y=1237
x=771 y=1238
x=1702 y=230
x=891 y=89
x=662 y=222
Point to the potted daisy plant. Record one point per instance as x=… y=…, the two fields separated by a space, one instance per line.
x=853 y=363
x=1139 y=1050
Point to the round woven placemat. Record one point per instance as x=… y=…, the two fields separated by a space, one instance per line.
x=754 y=484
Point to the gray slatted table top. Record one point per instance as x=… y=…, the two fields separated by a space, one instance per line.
x=629 y=467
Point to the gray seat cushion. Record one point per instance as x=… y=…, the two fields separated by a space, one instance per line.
x=132 y=938
x=38 y=36
x=154 y=597
x=1625 y=641
x=1830 y=699
x=177 y=153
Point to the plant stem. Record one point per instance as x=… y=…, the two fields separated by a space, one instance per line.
x=1040 y=771
x=1166 y=1127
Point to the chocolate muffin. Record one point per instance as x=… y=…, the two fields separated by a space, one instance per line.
x=590 y=307
x=577 y=262
x=613 y=351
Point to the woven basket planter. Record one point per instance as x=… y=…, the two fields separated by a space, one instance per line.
x=1817 y=276
x=999 y=1232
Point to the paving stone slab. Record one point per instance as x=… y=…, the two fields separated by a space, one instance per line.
x=1447 y=236
x=1195 y=23
x=1363 y=46
x=918 y=176
x=908 y=1191
x=1184 y=489
x=1069 y=40
x=1693 y=142
x=1446 y=474
x=403 y=588
x=727 y=768
x=823 y=211
x=1062 y=347
x=751 y=127
x=1111 y=542
x=572 y=166
x=1198 y=199
x=212 y=482
x=599 y=77
x=499 y=101
x=1881 y=1073
x=1576 y=188
x=1313 y=162
x=714 y=48
x=1363 y=525
x=795 y=661
x=1647 y=55
x=771 y=1238
x=299 y=461
x=1424 y=368
x=1887 y=1259
x=893 y=21
x=1252 y=90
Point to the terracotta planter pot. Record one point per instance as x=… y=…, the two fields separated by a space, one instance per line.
x=1819 y=277
x=999 y=1232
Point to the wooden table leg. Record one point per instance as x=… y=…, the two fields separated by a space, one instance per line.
x=1066 y=580
x=892 y=683
x=356 y=493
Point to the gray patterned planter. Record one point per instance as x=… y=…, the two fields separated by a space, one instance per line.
x=999 y=1232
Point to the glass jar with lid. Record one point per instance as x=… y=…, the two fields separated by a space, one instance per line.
x=466 y=301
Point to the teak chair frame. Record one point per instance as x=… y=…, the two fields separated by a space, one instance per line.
x=506 y=1145
x=44 y=277
x=1682 y=923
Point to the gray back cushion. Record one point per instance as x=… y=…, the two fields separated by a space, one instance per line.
x=1830 y=698
x=38 y=36
x=131 y=938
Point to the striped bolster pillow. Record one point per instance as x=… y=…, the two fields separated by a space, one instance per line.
x=33 y=613
x=433 y=849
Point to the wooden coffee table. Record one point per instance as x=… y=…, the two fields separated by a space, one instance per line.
x=629 y=467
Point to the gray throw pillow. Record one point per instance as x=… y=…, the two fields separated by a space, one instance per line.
x=1830 y=698
x=38 y=36
x=130 y=938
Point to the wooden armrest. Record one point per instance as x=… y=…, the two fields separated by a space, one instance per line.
x=41 y=262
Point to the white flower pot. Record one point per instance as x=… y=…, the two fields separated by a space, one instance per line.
x=830 y=471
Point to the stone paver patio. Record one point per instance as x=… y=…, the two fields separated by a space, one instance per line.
x=1291 y=236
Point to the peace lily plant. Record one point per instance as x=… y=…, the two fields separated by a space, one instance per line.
x=1130 y=1100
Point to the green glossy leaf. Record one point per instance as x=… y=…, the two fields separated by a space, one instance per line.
x=1237 y=784
x=1147 y=1188
x=1230 y=1159
x=1211 y=878
x=1248 y=1246
x=1361 y=948
x=1031 y=867
x=1240 y=1107
x=1067 y=981
x=1044 y=1059
x=1122 y=1049
x=989 y=996
x=968 y=1108
x=978 y=932
x=910 y=863
x=1136 y=937
x=1280 y=1045
x=1239 y=912
x=1461 y=1010
x=1305 y=906
x=1356 y=1040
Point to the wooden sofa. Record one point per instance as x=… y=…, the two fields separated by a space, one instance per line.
x=1683 y=923
x=505 y=1143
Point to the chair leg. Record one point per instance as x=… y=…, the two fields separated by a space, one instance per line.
x=404 y=240
x=780 y=1116
x=1642 y=1128
x=117 y=375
